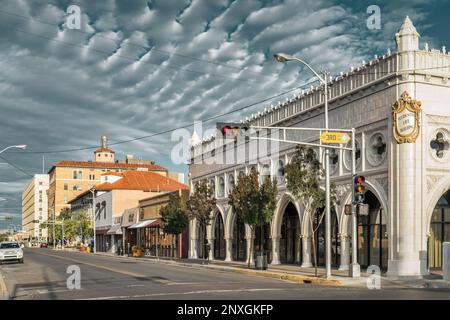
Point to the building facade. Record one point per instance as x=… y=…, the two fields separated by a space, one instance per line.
x=397 y=104
x=151 y=236
x=68 y=179
x=116 y=193
x=35 y=209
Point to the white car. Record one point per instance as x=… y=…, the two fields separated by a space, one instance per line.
x=10 y=251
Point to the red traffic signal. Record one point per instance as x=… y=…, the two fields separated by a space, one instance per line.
x=359 y=189
x=232 y=130
x=360 y=179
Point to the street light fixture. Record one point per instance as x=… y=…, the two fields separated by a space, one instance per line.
x=20 y=146
x=283 y=57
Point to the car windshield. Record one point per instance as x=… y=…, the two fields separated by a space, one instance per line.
x=9 y=245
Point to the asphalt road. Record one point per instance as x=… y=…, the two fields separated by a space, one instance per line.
x=44 y=276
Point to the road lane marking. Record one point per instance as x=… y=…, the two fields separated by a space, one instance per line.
x=181 y=293
x=128 y=273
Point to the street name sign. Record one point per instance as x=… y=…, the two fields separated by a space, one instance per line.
x=335 y=137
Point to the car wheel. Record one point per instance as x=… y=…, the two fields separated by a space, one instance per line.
x=20 y=260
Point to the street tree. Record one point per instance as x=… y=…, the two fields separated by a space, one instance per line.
x=174 y=218
x=200 y=206
x=303 y=180
x=254 y=203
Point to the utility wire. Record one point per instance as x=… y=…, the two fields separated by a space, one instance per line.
x=15 y=166
x=139 y=45
x=176 y=128
x=109 y=54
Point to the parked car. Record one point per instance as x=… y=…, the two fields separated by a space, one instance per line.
x=44 y=245
x=10 y=251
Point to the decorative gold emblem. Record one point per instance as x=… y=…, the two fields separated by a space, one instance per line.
x=406 y=114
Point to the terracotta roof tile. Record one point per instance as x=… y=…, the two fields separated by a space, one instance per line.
x=107 y=165
x=105 y=150
x=143 y=180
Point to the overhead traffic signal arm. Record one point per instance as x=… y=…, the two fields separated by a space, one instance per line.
x=232 y=130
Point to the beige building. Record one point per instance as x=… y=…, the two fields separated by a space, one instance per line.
x=68 y=179
x=116 y=193
x=35 y=209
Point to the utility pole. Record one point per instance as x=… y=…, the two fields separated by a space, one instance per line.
x=327 y=185
x=355 y=271
x=62 y=234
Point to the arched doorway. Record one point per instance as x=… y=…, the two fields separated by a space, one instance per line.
x=239 y=245
x=290 y=246
x=319 y=226
x=372 y=236
x=201 y=241
x=439 y=231
x=263 y=241
x=219 y=240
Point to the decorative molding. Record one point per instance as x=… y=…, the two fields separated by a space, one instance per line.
x=406 y=119
x=432 y=181
x=384 y=183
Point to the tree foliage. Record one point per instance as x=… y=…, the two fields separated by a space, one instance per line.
x=173 y=218
x=200 y=206
x=303 y=179
x=254 y=203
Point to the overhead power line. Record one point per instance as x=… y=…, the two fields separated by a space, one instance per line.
x=175 y=128
x=140 y=45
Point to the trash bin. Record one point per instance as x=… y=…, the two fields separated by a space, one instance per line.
x=261 y=260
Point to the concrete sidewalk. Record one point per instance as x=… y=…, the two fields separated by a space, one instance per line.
x=295 y=273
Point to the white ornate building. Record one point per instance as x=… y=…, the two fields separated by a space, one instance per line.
x=399 y=105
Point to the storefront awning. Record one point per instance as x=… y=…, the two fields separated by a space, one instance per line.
x=116 y=229
x=142 y=224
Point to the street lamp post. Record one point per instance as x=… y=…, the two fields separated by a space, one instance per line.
x=20 y=146
x=282 y=57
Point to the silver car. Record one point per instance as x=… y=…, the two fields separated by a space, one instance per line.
x=10 y=251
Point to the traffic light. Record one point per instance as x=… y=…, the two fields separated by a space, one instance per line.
x=232 y=130
x=360 y=188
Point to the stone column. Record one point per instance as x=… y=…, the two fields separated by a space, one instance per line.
x=228 y=249
x=307 y=251
x=250 y=254
x=211 y=248
x=298 y=252
x=193 y=254
x=275 y=250
x=113 y=243
x=345 y=252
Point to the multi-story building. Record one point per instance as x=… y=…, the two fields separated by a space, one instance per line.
x=35 y=209
x=116 y=193
x=68 y=179
x=398 y=104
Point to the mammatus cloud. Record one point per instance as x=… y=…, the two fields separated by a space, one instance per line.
x=138 y=67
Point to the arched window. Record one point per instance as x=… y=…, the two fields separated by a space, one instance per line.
x=230 y=182
x=221 y=190
x=265 y=172
x=212 y=185
x=280 y=172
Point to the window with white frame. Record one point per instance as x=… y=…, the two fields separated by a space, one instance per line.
x=221 y=188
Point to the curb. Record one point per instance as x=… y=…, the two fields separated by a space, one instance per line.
x=291 y=277
x=4 y=293
x=266 y=274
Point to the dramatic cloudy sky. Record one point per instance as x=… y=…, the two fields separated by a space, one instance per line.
x=139 y=67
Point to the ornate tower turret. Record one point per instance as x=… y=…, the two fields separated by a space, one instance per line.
x=104 y=154
x=407 y=38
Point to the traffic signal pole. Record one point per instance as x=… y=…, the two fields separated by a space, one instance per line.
x=355 y=271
